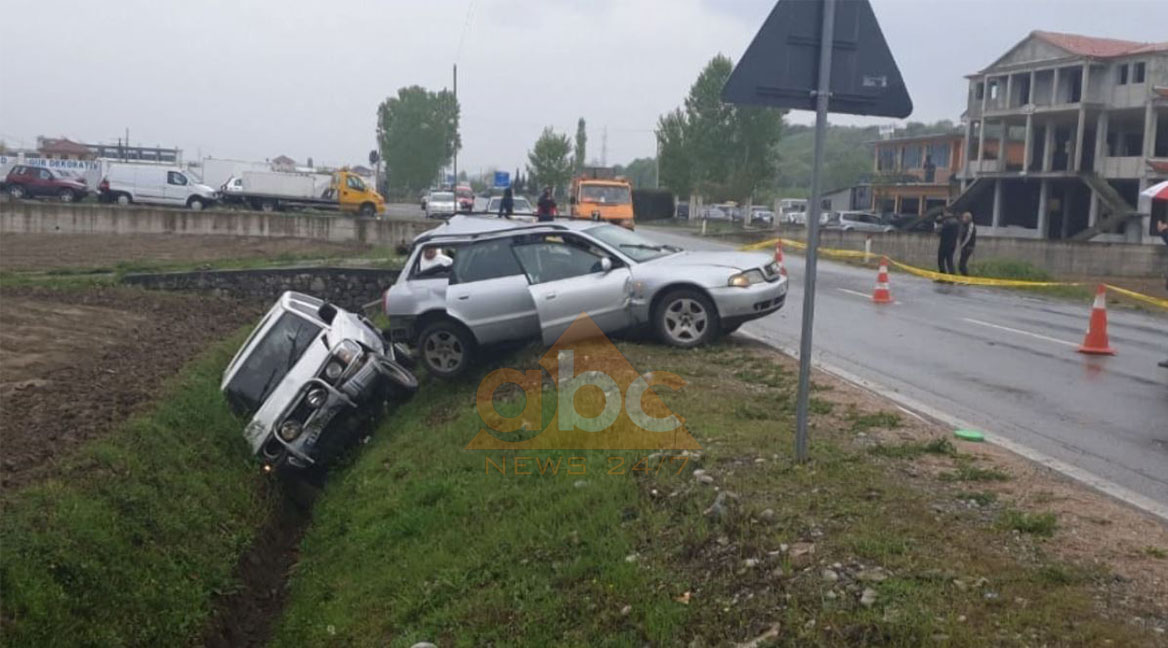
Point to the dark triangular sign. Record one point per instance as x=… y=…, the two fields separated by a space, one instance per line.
x=781 y=66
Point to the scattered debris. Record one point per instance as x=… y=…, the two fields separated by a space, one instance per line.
x=771 y=633
x=868 y=598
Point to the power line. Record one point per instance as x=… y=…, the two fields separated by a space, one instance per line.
x=470 y=7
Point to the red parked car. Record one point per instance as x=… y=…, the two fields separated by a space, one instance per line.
x=30 y=182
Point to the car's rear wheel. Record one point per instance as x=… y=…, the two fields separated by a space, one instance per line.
x=196 y=204
x=67 y=196
x=16 y=191
x=124 y=199
x=685 y=318
x=445 y=348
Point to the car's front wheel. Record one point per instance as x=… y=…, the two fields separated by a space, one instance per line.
x=445 y=348
x=67 y=196
x=685 y=318
x=16 y=191
x=124 y=199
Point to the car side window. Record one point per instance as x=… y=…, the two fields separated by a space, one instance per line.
x=354 y=183
x=485 y=260
x=45 y=175
x=553 y=257
x=175 y=178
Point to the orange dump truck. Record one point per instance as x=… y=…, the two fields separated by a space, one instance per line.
x=598 y=194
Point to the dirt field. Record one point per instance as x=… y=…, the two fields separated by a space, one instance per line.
x=22 y=252
x=75 y=363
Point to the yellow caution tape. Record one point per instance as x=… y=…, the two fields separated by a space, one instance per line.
x=1155 y=301
x=957 y=279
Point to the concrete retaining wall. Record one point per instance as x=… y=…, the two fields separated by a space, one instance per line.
x=1060 y=258
x=348 y=288
x=29 y=216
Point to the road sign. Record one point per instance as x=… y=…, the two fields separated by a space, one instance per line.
x=374 y=156
x=821 y=55
x=779 y=68
x=502 y=179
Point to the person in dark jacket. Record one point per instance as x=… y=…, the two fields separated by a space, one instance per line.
x=966 y=240
x=546 y=207
x=949 y=233
x=507 y=204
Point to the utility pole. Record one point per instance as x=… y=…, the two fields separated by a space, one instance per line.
x=455 y=183
x=604 y=148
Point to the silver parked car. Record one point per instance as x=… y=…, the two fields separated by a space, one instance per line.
x=520 y=207
x=307 y=370
x=440 y=204
x=479 y=281
x=858 y=221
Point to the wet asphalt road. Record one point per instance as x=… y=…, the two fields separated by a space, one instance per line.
x=1001 y=360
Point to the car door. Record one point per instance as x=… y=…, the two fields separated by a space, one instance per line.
x=149 y=184
x=488 y=293
x=41 y=183
x=569 y=275
x=177 y=188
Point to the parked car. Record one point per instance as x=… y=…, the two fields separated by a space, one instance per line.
x=440 y=204
x=714 y=213
x=151 y=183
x=522 y=207
x=25 y=181
x=307 y=371
x=762 y=216
x=858 y=221
x=793 y=211
x=911 y=222
x=683 y=210
x=512 y=281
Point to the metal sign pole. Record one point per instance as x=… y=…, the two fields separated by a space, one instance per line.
x=827 y=36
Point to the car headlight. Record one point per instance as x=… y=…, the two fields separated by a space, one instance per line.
x=745 y=279
x=316 y=398
x=290 y=431
x=334 y=370
x=347 y=351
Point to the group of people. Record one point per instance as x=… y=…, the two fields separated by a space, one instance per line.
x=956 y=236
x=545 y=209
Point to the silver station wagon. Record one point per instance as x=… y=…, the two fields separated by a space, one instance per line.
x=306 y=372
x=479 y=281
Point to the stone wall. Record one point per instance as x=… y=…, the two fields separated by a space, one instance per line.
x=349 y=288
x=31 y=216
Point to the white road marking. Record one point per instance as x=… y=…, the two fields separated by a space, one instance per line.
x=1107 y=487
x=854 y=292
x=1019 y=332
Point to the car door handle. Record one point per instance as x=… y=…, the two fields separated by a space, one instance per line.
x=463 y=297
x=550 y=295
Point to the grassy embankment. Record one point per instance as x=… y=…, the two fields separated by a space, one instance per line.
x=138 y=532
x=421 y=540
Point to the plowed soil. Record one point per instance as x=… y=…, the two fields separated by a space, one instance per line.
x=74 y=363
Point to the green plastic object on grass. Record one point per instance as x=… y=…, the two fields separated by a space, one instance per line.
x=969 y=435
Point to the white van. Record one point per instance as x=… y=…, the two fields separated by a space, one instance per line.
x=157 y=184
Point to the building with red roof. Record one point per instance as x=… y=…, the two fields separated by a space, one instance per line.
x=1090 y=116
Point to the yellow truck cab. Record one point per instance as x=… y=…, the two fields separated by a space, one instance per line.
x=355 y=196
x=598 y=194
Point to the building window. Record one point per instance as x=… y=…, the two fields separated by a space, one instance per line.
x=1138 y=72
x=939 y=154
x=979 y=92
x=912 y=157
x=886 y=159
x=1122 y=75
x=993 y=90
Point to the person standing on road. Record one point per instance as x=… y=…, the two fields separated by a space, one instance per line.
x=546 y=208
x=966 y=240
x=948 y=245
x=507 y=204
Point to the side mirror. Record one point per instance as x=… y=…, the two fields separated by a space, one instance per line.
x=327 y=312
x=605 y=264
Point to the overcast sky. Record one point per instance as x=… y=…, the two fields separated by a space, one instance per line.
x=252 y=80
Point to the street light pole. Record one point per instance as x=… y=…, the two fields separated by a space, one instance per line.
x=822 y=95
x=455 y=183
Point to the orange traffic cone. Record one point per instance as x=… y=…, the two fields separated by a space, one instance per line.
x=882 y=294
x=779 y=257
x=1096 y=342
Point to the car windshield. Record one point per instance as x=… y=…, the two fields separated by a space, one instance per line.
x=630 y=243
x=605 y=194
x=269 y=361
x=442 y=196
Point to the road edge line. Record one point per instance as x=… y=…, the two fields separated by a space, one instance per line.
x=1109 y=488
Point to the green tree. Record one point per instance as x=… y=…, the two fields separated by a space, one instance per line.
x=581 y=146
x=709 y=129
x=549 y=162
x=417 y=131
x=676 y=171
x=641 y=172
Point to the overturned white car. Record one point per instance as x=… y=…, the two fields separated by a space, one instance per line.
x=306 y=372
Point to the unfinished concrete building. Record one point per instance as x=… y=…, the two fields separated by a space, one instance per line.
x=1091 y=115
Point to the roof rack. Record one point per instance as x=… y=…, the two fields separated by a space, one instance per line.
x=432 y=234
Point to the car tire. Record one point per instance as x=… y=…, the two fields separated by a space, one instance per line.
x=685 y=318
x=124 y=199
x=367 y=210
x=445 y=348
x=67 y=196
x=268 y=206
x=195 y=204
x=16 y=191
